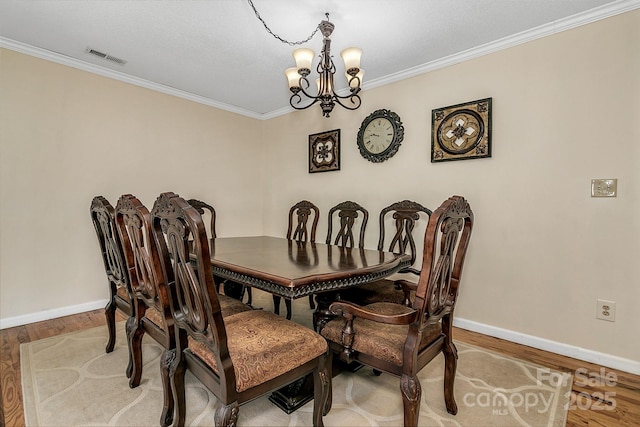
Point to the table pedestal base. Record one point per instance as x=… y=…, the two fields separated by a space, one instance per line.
x=294 y=395
x=299 y=392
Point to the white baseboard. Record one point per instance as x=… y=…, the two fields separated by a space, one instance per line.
x=602 y=359
x=39 y=316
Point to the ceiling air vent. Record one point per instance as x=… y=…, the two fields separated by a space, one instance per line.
x=105 y=56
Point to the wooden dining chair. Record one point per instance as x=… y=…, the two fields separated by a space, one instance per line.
x=151 y=308
x=347 y=214
x=230 y=288
x=242 y=357
x=152 y=314
x=401 y=218
x=401 y=340
x=351 y=218
x=120 y=293
x=203 y=208
x=299 y=230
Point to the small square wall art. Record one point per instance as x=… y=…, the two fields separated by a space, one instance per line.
x=324 y=151
x=461 y=132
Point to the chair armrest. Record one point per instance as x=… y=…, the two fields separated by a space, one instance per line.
x=406 y=285
x=349 y=311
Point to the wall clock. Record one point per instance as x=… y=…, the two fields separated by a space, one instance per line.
x=380 y=135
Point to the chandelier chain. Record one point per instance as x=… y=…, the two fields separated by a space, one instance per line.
x=277 y=36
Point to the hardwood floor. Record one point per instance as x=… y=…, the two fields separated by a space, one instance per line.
x=10 y=385
x=600 y=396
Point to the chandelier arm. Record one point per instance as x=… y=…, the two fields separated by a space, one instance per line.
x=295 y=95
x=351 y=97
x=308 y=95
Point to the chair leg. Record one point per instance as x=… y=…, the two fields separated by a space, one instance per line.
x=450 y=365
x=227 y=415
x=168 y=358
x=321 y=391
x=129 y=327
x=411 y=394
x=312 y=304
x=135 y=346
x=110 y=314
x=329 y=369
x=176 y=375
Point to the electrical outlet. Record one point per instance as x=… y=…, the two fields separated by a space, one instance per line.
x=606 y=310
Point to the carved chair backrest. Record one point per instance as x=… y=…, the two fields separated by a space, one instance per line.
x=103 y=217
x=201 y=207
x=445 y=247
x=299 y=216
x=347 y=213
x=180 y=233
x=405 y=215
x=141 y=254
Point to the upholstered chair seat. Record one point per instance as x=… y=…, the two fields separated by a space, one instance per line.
x=155 y=316
x=381 y=290
x=230 y=306
x=123 y=293
x=263 y=346
x=382 y=341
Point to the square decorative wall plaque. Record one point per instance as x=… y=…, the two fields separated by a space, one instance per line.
x=324 y=151
x=461 y=131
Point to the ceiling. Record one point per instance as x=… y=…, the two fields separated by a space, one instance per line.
x=217 y=52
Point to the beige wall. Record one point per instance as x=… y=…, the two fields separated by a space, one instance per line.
x=565 y=110
x=68 y=135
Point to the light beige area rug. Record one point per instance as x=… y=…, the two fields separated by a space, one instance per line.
x=69 y=380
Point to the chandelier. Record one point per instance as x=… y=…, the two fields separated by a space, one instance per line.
x=326 y=94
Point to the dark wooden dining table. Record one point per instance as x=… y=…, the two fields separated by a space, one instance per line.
x=293 y=270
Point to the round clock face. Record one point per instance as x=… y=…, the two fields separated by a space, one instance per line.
x=380 y=135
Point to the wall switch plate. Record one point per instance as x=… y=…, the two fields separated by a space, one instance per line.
x=604 y=187
x=606 y=310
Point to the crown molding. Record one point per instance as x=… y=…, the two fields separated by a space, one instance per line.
x=116 y=75
x=593 y=15
x=558 y=26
